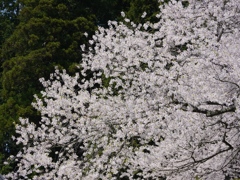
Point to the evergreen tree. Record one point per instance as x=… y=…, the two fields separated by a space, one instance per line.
x=138 y=7
x=9 y=10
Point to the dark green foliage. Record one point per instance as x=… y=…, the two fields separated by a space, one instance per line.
x=138 y=7
x=105 y=10
x=143 y=66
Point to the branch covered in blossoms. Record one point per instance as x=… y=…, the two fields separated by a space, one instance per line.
x=151 y=101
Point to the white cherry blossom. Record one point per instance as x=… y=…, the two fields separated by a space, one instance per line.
x=150 y=101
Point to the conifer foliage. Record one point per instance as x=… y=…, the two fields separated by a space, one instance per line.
x=158 y=105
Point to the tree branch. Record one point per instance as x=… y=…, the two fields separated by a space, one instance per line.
x=211 y=113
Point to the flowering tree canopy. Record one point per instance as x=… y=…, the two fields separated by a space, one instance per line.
x=151 y=101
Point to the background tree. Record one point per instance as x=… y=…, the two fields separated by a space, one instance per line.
x=152 y=120
x=138 y=7
x=9 y=10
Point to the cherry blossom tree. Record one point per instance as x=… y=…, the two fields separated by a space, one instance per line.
x=151 y=101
